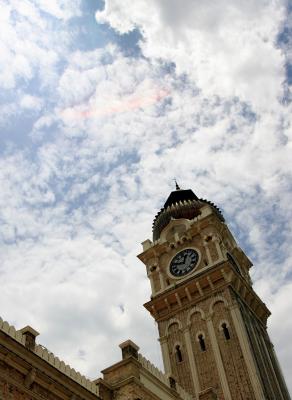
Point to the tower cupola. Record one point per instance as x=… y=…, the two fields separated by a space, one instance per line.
x=181 y=203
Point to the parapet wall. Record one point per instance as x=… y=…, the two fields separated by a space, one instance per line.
x=49 y=357
x=163 y=377
x=65 y=369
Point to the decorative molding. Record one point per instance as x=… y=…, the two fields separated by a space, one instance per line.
x=195 y=310
x=173 y=321
x=217 y=299
x=171 y=224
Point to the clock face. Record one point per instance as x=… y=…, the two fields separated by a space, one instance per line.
x=184 y=262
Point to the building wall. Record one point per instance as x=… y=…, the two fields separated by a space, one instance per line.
x=180 y=369
x=205 y=360
x=231 y=353
x=9 y=391
x=269 y=370
x=24 y=375
x=222 y=359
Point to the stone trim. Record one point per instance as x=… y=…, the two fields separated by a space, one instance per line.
x=217 y=299
x=268 y=356
x=218 y=359
x=246 y=351
x=173 y=321
x=194 y=370
x=165 y=354
x=193 y=311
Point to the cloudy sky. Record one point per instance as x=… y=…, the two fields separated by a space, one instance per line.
x=102 y=104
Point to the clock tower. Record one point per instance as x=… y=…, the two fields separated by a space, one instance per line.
x=212 y=325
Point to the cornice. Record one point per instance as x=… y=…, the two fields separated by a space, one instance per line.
x=206 y=283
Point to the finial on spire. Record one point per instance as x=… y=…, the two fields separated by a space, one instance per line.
x=176 y=185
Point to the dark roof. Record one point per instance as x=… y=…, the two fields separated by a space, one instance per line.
x=180 y=204
x=180 y=195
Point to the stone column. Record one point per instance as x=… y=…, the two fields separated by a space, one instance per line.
x=165 y=354
x=208 y=253
x=268 y=356
x=246 y=351
x=162 y=282
x=216 y=240
x=218 y=359
x=150 y=276
x=191 y=357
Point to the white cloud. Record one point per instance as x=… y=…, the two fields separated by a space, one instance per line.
x=31 y=102
x=62 y=9
x=30 y=45
x=75 y=208
x=227 y=48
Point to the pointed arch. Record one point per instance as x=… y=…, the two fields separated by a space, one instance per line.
x=195 y=310
x=217 y=299
x=171 y=322
x=172 y=224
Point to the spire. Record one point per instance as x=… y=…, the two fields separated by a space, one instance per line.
x=176 y=185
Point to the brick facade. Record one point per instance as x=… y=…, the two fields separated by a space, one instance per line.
x=212 y=325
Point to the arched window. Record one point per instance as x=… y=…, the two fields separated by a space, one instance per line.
x=172 y=382
x=178 y=354
x=202 y=342
x=225 y=331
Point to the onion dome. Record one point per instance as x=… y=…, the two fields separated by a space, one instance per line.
x=180 y=204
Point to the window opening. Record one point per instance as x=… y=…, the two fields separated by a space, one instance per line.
x=178 y=354
x=202 y=342
x=172 y=382
x=226 y=331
